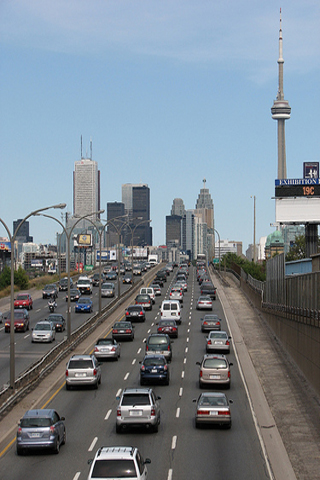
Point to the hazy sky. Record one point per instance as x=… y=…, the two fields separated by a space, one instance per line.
x=169 y=91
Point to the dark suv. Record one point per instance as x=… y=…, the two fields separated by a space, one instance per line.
x=159 y=343
x=63 y=284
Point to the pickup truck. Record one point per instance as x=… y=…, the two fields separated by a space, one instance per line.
x=84 y=285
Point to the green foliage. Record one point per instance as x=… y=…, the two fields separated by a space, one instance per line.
x=5 y=277
x=21 y=278
x=256 y=270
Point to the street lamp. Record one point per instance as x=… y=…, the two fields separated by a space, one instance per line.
x=132 y=230
x=219 y=249
x=254 y=229
x=12 y=239
x=118 y=230
x=68 y=237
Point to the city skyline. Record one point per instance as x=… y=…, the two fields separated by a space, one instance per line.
x=166 y=106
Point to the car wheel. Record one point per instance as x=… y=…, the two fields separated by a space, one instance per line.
x=141 y=382
x=156 y=427
x=197 y=424
x=64 y=439
x=167 y=381
x=118 y=428
x=57 y=446
x=19 y=451
x=68 y=387
x=200 y=384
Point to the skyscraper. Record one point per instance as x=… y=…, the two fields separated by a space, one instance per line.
x=178 y=207
x=115 y=210
x=281 y=112
x=86 y=188
x=136 y=199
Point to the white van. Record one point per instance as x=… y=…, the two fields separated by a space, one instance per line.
x=148 y=291
x=171 y=309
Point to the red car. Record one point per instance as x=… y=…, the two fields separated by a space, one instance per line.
x=169 y=327
x=21 y=321
x=23 y=300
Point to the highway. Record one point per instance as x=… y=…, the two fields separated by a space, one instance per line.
x=178 y=450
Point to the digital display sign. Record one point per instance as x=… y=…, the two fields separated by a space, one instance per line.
x=304 y=187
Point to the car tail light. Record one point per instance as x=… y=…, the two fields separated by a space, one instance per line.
x=147 y=348
x=19 y=431
x=203 y=412
x=127 y=313
x=229 y=374
x=119 y=412
x=205 y=323
x=224 y=412
x=143 y=368
x=178 y=314
x=201 y=373
x=115 y=331
x=67 y=373
x=165 y=367
x=128 y=330
x=153 y=412
x=174 y=329
x=168 y=348
x=52 y=429
x=227 y=342
x=96 y=349
x=170 y=294
x=95 y=372
x=209 y=342
x=141 y=313
x=113 y=349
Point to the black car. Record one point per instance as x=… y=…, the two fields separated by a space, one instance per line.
x=158 y=281
x=50 y=291
x=161 y=275
x=208 y=289
x=135 y=313
x=58 y=321
x=96 y=279
x=111 y=275
x=123 y=330
x=63 y=284
x=154 y=368
x=75 y=294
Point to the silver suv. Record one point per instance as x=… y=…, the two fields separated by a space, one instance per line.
x=138 y=407
x=118 y=462
x=83 y=370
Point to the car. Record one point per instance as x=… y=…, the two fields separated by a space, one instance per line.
x=161 y=275
x=159 y=343
x=214 y=370
x=96 y=279
x=135 y=313
x=183 y=284
x=148 y=291
x=107 y=290
x=118 y=462
x=136 y=270
x=84 y=284
x=63 y=284
x=213 y=409
x=84 y=305
x=209 y=322
x=83 y=370
x=176 y=293
x=208 y=289
x=43 y=332
x=171 y=309
x=144 y=300
x=58 y=320
x=123 y=330
x=111 y=275
x=75 y=294
x=1 y=317
x=204 y=303
x=158 y=281
x=50 y=291
x=156 y=288
x=169 y=327
x=107 y=348
x=127 y=278
x=154 y=368
x=138 y=407
x=218 y=341
x=23 y=300
x=21 y=321
x=40 y=429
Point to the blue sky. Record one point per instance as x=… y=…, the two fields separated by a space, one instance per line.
x=169 y=91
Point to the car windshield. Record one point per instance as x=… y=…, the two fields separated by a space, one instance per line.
x=108 y=285
x=135 y=399
x=35 y=422
x=74 y=364
x=214 y=363
x=74 y=291
x=110 y=469
x=54 y=318
x=153 y=361
x=49 y=287
x=157 y=340
x=212 y=401
x=22 y=297
x=83 y=282
x=84 y=300
x=43 y=326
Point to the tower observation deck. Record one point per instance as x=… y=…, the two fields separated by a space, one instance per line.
x=281 y=112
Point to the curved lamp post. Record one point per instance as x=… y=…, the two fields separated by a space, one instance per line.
x=132 y=230
x=12 y=239
x=68 y=237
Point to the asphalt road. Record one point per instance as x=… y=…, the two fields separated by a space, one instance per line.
x=178 y=450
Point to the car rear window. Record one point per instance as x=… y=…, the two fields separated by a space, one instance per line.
x=36 y=422
x=218 y=335
x=157 y=340
x=74 y=364
x=114 y=469
x=105 y=341
x=135 y=399
x=153 y=361
x=213 y=401
x=215 y=363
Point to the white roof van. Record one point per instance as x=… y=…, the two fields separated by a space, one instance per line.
x=171 y=309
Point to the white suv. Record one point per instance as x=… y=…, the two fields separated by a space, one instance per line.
x=118 y=462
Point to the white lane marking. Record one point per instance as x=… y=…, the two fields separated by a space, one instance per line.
x=108 y=415
x=178 y=412
x=180 y=392
x=149 y=330
x=174 y=442
x=77 y=475
x=188 y=331
x=138 y=351
x=186 y=350
x=189 y=323
x=187 y=339
x=118 y=393
x=143 y=341
x=182 y=374
x=152 y=323
x=133 y=361
x=170 y=474
x=26 y=336
x=185 y=360
x=126 y=376
x=94 y=441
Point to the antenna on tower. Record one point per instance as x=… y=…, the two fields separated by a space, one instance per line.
x=81 y=147
x=90 y=148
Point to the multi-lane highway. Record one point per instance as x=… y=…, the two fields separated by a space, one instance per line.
x=178 y=450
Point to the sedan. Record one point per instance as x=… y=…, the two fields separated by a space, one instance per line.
x=50 y=291
x=127 y=278
x=183 y=284
x=75 y=294
x=107 y=348
x=58 y=321
x=43 y=332
x=156 y=289
x=214 y=370
x=218 y=341
x=135 y=313
x=23 y=300
x=213 y=409
x=204 y=303
x=210 y=322
x=154 y=368
x=123 y=330
x=169 y=327
x=84 y=304
x=111 y=275
x=144 y=301
x=107 y=290
x=21 y=321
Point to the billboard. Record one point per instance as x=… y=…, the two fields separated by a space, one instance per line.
x=5 y=246
x=298 y=210
x=83 y=240
x=107 y=255
x=36 y=263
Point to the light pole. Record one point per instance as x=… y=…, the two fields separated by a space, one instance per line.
x=219 y=249
x=12 y=239
x=68 y=237
x=132 y=230
x=254 y=229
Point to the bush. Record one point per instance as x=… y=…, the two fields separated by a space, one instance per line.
x=21 y=278
x=256 y=270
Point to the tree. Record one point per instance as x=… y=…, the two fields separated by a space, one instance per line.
x=297 y=250
x=21 y=278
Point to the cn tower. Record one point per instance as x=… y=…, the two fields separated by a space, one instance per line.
x=281 y=112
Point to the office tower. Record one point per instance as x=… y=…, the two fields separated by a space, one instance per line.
x=136 y=199
x=187 y=233
x=115 y=210
x=86 y=188
x=23 y=233
x=178 y=207
x=205 y=213
x=173 y=230
x=281 y=112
